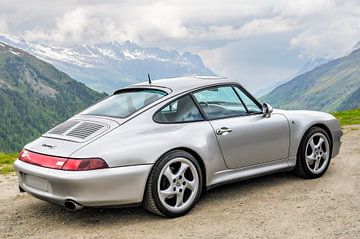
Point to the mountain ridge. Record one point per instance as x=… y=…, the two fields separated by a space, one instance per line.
x=331 y=86
x=112 y=65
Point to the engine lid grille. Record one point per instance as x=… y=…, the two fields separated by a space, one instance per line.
x=77 y=130
x=62 y=128
x=84 y=130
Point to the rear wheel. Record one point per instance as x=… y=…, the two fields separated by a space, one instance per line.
x=314 y=154
x=174 y=185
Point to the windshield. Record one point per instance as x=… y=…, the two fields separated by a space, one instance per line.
x=125 y=103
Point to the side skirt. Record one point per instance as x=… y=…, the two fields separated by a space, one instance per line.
x=234 y=175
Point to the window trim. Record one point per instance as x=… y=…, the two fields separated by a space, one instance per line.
x=232 y=85
x=204 y=118
x=250 y=97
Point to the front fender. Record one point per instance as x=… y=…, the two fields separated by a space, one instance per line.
x=301 y=121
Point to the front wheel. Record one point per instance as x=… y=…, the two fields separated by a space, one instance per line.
x=174 y=185
x=314 y=154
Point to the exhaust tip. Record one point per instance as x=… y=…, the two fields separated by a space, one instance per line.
x=71 y=205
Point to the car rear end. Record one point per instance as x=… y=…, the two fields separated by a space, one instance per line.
x=47 y=170
x=93 y=184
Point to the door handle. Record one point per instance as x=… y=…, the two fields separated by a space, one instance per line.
x=223 y=131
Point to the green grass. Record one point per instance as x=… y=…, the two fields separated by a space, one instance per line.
x=348 y=117
x=6 y=161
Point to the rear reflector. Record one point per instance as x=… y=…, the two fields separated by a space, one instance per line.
x=61 y=163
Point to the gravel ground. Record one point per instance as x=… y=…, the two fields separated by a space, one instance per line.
x=276 y=206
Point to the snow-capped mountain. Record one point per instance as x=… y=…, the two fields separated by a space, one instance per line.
x=109 y=66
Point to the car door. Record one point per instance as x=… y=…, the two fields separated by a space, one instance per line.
x=245 y=136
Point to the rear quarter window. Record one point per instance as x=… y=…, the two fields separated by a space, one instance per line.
x=178 y=111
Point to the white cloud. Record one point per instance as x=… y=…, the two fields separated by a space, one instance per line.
x=216 y=29
x=331 y=33
x=266 y=26
x=3 y=25
x=256 y=63
x=196 y=24
x=77 y=26
x=98 y=24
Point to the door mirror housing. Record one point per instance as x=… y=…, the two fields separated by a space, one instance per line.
x=267 y=109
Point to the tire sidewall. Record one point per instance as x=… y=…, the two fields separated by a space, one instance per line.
x=157 y=170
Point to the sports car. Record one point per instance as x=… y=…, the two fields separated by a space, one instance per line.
x=161 y=144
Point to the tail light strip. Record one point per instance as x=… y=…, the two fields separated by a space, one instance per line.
x=61 y=163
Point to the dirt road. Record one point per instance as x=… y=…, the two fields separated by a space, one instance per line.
x=277 y=206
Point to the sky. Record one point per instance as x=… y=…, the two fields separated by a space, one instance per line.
x=257 y=42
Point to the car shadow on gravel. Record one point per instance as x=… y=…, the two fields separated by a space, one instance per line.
x=53 y=214
x=252 y=184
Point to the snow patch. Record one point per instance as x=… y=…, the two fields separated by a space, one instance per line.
x=15 y=52
x=108 y=53
x=59 y=54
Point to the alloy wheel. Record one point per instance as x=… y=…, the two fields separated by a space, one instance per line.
x=317 y=153
x=178 y=184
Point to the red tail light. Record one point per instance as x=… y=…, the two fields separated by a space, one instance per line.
x=84 y=164
x=61 y=163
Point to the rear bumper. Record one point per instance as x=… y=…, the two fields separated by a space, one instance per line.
x=103 y=187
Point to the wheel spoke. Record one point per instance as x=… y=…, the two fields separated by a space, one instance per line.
x=190 y=184
x=325 y=155
x=310 y=158
x=168 y=174
x=179 y=199
x=164 y=194
x=321 y=141
x=317 y=164
x=182 y=169
x=312 y=144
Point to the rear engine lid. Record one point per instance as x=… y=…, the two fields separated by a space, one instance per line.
x=80 y=129
x=68 y=137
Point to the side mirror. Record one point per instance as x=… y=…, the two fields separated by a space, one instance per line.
x=267 y=110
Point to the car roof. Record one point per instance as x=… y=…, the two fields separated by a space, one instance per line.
x=185 y=83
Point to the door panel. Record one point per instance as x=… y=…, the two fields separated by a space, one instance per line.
x=253 y=139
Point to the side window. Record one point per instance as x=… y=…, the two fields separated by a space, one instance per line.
x=180 y=110
x=252 y=107
x=220 y=102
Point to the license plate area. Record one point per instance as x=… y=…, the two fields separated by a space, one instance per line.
x=36 y=182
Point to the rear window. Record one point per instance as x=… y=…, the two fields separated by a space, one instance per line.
x=125 y=103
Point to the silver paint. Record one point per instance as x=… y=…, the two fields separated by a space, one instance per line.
x=246 y=147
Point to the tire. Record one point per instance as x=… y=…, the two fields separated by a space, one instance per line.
x=174 y=185
x=313 y=158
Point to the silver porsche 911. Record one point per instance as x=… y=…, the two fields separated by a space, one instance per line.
x=162 y=144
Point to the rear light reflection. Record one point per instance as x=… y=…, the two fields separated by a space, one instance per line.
x=61 y=163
